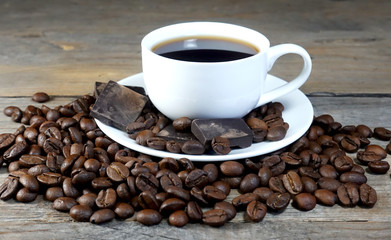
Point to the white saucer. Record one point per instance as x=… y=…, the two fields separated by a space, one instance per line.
x=298 y=113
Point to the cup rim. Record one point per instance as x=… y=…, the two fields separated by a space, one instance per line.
x=149 y=41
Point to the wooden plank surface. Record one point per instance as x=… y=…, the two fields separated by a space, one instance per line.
x=63 y=47
x=38 y=220
x=52 y=44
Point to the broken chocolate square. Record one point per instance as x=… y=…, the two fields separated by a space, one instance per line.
x=234 y=129
x=169 y=133
x=118 y=106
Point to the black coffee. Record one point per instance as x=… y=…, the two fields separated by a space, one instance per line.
x=205 y=49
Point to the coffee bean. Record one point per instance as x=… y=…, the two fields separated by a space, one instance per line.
x=147 y=199
x=249 y=183
x=196 y=178
x=156 y=143
x=38 y=170
x=81 y=177
x=223 y=186
x=234 y=182
x=102 y=216
x=213 y=194
x=182 y=124
x=275 y=164
x=368 y=196
x=49 y=179
x=304 y=201
x=178 y=218
x=24 y=195
x=149 y=217
x=263 y=193
x=81 y=213
x=256 y=211
x=241 y=201
x=193 y=147
x=264 y=174
x=292 y=182
x=197 y=194
x=379 y=167
x=291 y=159
x=228 y=208
x=350 y=143
x=382 y=133
x=123 y=210
x=169 y=163
x=276 y=185
x=215 y=217
x=147 y=182
x=9 y=110
x=87 y=199
x=276 y=133
x=348 y=194
x=309 y=185
x=64 y=204
x=278 y=201
x=106 y=198
x=309 y=172
x=325 y=197
x=232 y=168
x=29 y=182
x=353 y=177
x=69 y=189
x=194 y=211
x=9 y=188
x=101 y=183
x=343 y=164
x=178 y=192
x=221 y=145
x=328 y=171
x=53 y=193
x=173 y=146
x=212 y=171
x=171 y=205
x=15 y=151
x=117 y=172
x=40 y=97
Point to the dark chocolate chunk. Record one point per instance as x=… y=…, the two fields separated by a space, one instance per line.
x=169 y=133
x=99 y=86
x=234 y=129
x=118 y=106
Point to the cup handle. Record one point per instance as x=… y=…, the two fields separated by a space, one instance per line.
x=273 y=54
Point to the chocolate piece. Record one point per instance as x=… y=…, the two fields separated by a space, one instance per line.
x=234 y=129
x=99 y=86
x=169 y=133
x=118 y=106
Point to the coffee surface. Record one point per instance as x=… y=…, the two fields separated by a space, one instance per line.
x=206 y=55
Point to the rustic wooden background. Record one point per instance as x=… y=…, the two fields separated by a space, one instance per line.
x=63 y=47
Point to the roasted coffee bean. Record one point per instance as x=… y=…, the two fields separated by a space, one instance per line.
x=291 y=159
x=53 y=193
x=328 y=171
x=198 y=195
x=252 y=165
x=40 y=97
x=215 y=217
x=379 y=150
x=233 y=182
x=156 y=143
x=382 y=133
x=169 y=163
x=196 y=178
x=117 y=172
x=348 y=194
x=365 y=157
x=9 y=110
x=186 y=164
x=92 y=165
x=194 y=211
x=263 y=193
x=350 y=143
x=221 y=145
x=147 y=182
x=276 y=185
x=102 y=216
x=171 y=205
x=81 y=177
x=9 y=188
x=241 y=201
x=87 y=124
x=53 y=145
x=6 y=140
x=368 y=196
x=148 y=217
x=106 y=198
x=69 y=189
x=364 y=131
x=178 y=218
x=178 y=192
x=213 y=194
x=81 y=213
x=64 y=204
x=87 y=199
x=31 y=160
x=232 y=168
x=292 y=182
x=223 y=186
x=50 y=179
x=182 y=124
x=343 y=164
x=309 y=172
x=173 y=146
x=123 y=191
x=29 y=182
x=358 y=168
x=147 y=199
x=143 y=136
x=249 y=183
x=278 y=201
x=193 y=147
x=17 y=115
x=256 y=211
x=101 y=183
x=15 y=151
x=309 y=185
x=275 y=164
x=264 y=174
x=329 y=183
x=304 y=201
x=212 y=171
x=276 y=133
x=325 y=197
x=123 y=210
x=388 y=148
x=353 y=177
x=379 y=167
x=24 y=195
x=170 y=179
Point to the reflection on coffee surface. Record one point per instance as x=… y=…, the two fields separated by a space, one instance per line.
x=205 y=49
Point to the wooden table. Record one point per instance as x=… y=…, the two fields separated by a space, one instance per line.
x=63 y=47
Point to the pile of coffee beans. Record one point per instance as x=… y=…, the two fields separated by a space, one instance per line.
x=62 y=154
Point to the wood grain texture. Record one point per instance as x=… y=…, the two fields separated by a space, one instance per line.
x=37 y=220
x=53 y=44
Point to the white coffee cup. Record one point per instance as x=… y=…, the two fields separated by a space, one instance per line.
x=227 y=89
